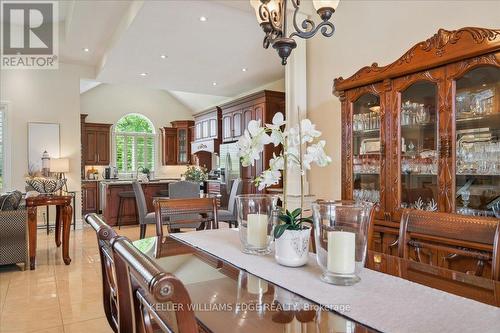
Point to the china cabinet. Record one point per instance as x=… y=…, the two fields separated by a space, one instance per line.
x=424 y=131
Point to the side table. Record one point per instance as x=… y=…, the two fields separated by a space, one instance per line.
x=63 y=220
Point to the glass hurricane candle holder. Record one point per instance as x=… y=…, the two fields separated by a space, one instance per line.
x=341 y=234
x=256 y=215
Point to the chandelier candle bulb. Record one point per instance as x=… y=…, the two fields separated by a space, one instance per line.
x=257 y=229
x=341 y=252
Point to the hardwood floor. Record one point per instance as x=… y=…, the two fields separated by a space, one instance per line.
x=55 y=297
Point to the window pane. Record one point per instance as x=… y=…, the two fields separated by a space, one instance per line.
x=134 y=123
x=150 y=152
x=140 y=152
x=120 y=153
x=135 y=143
x=129 y=142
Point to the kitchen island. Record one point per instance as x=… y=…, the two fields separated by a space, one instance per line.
x=128 y=212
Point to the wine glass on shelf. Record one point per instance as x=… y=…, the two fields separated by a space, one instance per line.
x=465 y=200
x=496 y=210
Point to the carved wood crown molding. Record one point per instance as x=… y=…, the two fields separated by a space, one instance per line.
x=445 y=46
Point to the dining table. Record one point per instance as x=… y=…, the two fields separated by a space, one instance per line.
x=236 y=292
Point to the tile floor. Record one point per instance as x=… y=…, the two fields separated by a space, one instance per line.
x=55 y=297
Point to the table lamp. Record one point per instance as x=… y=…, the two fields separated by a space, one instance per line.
x=61 y=167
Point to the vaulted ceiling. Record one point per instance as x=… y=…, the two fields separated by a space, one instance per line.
x=218 y=57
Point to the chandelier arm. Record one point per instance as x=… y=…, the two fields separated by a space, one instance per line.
x=327 y=29
x=270 y=38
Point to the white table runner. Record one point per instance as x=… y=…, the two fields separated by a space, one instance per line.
x=381 y=301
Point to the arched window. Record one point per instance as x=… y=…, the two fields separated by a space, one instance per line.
x=134 y=138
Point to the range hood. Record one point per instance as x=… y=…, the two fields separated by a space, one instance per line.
x=210 y=146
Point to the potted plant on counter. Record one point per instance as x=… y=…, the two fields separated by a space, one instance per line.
x=196 y=174
x=300 y=149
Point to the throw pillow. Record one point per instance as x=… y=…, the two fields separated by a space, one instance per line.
x=11 y=200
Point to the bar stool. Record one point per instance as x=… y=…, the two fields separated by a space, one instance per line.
x=122 y=197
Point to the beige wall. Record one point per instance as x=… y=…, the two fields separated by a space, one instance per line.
x=107 y=103
x=367 y=32
x=44 y=96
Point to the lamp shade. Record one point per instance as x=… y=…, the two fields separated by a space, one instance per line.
x=59 y=165
x=325 y=4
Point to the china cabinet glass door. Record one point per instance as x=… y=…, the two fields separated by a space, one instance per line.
x=477 y=128
x=366 y=162
x=418 y=157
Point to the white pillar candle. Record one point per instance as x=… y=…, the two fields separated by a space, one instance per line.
x=341 y=252
x=257 y=230
x=255 y=285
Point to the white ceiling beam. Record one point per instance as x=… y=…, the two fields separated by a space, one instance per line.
x=126 y=21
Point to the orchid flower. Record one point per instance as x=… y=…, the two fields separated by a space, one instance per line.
x=255 y=137
x=275 y=128
x=316 y=153
x=309 y=131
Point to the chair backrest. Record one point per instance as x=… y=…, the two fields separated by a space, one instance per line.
x=183 y=189
x=204 y=208
x=155 y=295
x=461 y=237
x=109 y=291
x=140 y=200
x=236 y=189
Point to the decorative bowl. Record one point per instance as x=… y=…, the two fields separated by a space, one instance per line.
x=45 y=185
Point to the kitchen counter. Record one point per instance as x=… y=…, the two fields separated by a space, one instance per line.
x=110 y=190
x=111 y=182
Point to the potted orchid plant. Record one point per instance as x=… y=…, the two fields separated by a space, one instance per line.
x=301 y=148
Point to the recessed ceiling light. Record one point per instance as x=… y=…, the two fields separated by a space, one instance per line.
x=85 y=49
x=243 y=69
x=163 y=56
x=144 y=74
x=214 y=83
x=203 y=18
x=484 y=84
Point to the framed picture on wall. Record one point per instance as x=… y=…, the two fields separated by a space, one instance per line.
x=42 y=137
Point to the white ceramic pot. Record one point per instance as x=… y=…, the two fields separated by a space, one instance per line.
x=292 y=248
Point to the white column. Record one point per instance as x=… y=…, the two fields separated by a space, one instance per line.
x=296 y=108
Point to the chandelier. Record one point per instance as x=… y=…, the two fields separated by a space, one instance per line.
x=271 y=15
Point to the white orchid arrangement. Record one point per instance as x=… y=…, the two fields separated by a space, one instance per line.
x=301 y=149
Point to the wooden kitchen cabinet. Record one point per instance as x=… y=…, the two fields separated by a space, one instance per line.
x=423 y=132
x=96 y=144
x=207 y=124
x=235 y=118
x=168 y=146
x=176 y=142
x=90 y=197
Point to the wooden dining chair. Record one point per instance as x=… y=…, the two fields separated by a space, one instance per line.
x=205 y=210
x=159 y=300
x=457 y=242
x=109 y=291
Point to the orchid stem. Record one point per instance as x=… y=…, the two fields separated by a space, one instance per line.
x=300 y=164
